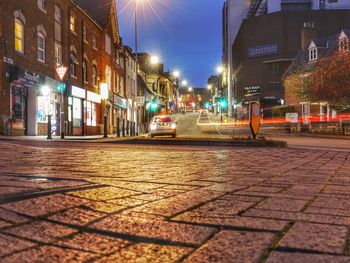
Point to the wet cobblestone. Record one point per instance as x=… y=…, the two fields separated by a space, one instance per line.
x=90 y=202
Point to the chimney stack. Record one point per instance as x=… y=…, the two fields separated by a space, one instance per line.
x=308 y=33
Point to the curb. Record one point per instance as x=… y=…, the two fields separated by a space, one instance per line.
x=200 y=142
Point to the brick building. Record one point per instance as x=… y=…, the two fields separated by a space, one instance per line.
x=75 y=34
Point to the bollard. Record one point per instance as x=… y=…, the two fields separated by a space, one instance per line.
x=127 y=128
x=123 y=128
x=49 y=134
x=134 y=129
x=105 y=127
x=118 y=127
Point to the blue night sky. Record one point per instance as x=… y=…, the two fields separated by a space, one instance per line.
x=185 y=34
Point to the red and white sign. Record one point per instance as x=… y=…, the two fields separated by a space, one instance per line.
x=61 y=72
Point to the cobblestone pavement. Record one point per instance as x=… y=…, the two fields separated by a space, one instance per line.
x=81 y=202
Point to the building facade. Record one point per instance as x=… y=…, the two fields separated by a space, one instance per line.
x=77 y=35
x=263 y=36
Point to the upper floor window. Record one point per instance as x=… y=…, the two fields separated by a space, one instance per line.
x=73 y=64
x=19 y=36
x=94 y=41
x=344 y=44
x=94 y=75
x=41 y=47
x=313 y=54
x=84 y=33
x=108 y=44
x=42 y=5
x=58 y=14
x=72 y=23
x=85 y=75
x=58 y=54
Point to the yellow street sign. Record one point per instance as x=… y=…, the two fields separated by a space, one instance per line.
x=254 y=118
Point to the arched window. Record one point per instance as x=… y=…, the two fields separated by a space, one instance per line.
x=85 y=73
x=109 y=76
x=344 y=44
x=41 y=47
x=73 y=63
x=94 y=75
x=19 y=36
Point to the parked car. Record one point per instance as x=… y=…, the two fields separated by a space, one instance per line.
x=162 y=125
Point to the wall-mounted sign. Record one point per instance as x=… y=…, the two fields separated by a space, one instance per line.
x=263 y=50
x=61 y=72
x=93 y=97
x=77 y=92
x=8 y=60
x=120 y=102
x=250 y=91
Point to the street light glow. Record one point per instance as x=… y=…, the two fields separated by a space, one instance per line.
x=184 y=83
x=209 y=86
x=176 y=74
x=190 y=89
x=154 y=60
x=220 y=69
x=45 y=90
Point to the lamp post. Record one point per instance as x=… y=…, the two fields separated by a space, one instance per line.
x=104 y=97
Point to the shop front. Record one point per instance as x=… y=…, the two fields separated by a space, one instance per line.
x=76 y=100
x=32 y=98
x=120 y=112
x=92 y=109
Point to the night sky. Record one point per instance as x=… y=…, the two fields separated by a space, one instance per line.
x=185 y=34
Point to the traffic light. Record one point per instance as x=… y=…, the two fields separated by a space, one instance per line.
x=154 y=105
x=61 y=87
x=222 y=102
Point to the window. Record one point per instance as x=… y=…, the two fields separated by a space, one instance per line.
x=108 y=44
x=19 y=36
x=273 y=86
x=85 y=76
x=84 y=34
x=72 y=24
x=73 y=64
x=332 y=1
x=91 y=114
x=273 y=67
x=94 y=41
x=41 y=47
x=77 y=112
x=58 y=54
x=344 y=45
x=313 y=54
x=58 y=14
x=42 y=5
x=94 y=75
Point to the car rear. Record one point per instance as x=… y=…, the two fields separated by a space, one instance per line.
x=162 y=125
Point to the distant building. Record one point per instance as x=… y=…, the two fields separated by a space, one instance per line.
x=261 y=38
x=298 y=74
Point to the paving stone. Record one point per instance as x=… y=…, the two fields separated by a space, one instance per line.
x=320 y=237
x=44 y=205
x=40 y=231
x=104 y=193
x=76 y=216
x=15 y=190
x=47 y=254
x=9 y=244
x=94 y=243
x=285 y=257
x=103 y=207
x=145 y=253
x=283 y=204
x=11 y=216
x=179 y=203
x=235 y=221
x=171 y=231
x=298 y=216
x=233 y=246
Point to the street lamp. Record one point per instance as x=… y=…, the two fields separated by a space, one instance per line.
x=104 y=96
x=220 y=69
x=209 y=87
x=154 y=60
x=176 y=74
x=184 y=83
x=190 y=89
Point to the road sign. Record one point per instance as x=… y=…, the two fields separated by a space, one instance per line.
x=61 y=72
x=254 y=118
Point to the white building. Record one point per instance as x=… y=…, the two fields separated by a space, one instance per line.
x=131 y=89
x=235 y=11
